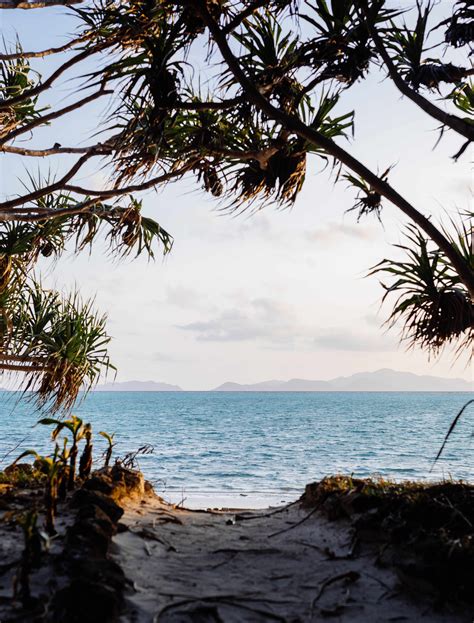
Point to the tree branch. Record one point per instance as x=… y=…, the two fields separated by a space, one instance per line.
x=43 y=86
x=34 y=214
x=294 y=124
x=54 y=115
x=35 y=4
x=243 y=15
x=43 y=53
x=19 y=368
x=100 y=150
x=41 y=192
x=22 y=359
x=455 y=123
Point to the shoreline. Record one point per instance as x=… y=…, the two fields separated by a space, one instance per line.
x=289 y=563
x=354 y=550
x=202 y=500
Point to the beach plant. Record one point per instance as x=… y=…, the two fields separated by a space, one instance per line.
x=64 y=472
x=52 y=467
x=77 y=429
x=110 y=446
x=270 y=103
x=85 y=462
x=130 y=460
x=30 y=557
x=430 y=299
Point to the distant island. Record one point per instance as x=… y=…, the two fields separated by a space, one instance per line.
x=138 y=386
x=381 y=380
x=384 y=380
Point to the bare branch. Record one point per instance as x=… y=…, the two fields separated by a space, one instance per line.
x=100 y=150
x=22 y=368
x=22 y=359
x=43 y=86
x=55 y=114
x=41 y=192
x=35 y=4
x=34 y=214
x=43 y=53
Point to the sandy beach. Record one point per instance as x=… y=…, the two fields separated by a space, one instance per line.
x=347 y=550
x=202 y=500
x=285 y=564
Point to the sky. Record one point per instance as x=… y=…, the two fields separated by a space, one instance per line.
x=274 y=295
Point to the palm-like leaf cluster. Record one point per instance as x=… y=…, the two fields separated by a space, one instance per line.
x=408 y=46
x=17 y=77
x=243 y=127
x=236 y=152
x=60 y=341
x=432 y=304
x=460 y=27
x=342 y=49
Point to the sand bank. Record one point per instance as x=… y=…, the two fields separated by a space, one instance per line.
x=288 y=564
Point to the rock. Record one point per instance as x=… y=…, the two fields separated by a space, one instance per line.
x=100 y=571
x=83 y=498
x=93 y=513
x=88 y=537
x=86 y=601
x=130 y=483
x=99 y=482
x=19 y=468
x=355 y=502
x=311 y=496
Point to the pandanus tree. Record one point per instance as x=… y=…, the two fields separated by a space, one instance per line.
x=277 y=75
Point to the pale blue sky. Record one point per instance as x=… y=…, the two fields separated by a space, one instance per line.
x=280 y=294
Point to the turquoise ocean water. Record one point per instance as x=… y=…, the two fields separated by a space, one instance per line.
x=265 y=442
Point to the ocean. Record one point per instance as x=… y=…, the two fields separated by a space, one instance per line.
x=262 y=445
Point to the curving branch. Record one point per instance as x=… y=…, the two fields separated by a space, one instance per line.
x=454 y=122
x=243 y=15
x=7 y=206
x=42 y=53
x=294 y=124
x=35 y=4
x=133 y=188
x=36 y=214
x=5 y=104
x=54 y=115
x=100 y=150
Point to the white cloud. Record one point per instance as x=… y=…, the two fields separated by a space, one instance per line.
x=277 y=326
x=337 y=232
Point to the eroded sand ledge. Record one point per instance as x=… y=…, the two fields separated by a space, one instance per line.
x=288 y=565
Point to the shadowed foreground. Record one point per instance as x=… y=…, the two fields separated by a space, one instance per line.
x=349 y=550
x=290 y=564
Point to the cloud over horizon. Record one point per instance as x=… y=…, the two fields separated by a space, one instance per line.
x=276 y=326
